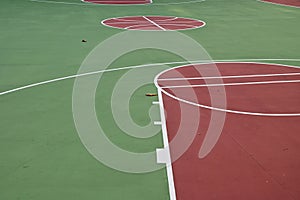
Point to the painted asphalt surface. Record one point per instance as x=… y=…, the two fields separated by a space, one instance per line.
x=255 y=157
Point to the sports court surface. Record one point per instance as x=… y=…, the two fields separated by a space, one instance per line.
x=116 y=2
x=224 y=128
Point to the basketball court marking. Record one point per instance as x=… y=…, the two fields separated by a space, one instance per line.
x=184 y=187
x=153 y=23
x=118 y=2
x=287 y=3
x=225 y=77
x=178 y=3
x=91 y=4
x=171 y=186
x=230 y=84
x=140 y=66
x=148 y=65
x=163 y=89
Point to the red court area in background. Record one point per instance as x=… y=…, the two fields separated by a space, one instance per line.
x=124 y=2
x=255 y=157
x=295 y=3
x=153 y=23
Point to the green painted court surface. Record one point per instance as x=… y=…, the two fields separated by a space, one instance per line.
x=41 y=156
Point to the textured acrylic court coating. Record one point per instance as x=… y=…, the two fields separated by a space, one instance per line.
x=255 y=157
x=41 y=156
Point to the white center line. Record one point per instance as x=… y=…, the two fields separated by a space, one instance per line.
x=231 y=84
x=228 y=77
x=155 y=24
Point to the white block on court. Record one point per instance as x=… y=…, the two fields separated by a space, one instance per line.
x=157 y=123
x=162 y=156
x=155 y=103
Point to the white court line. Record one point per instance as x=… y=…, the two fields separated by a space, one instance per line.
x=231 y=84
x=141 y=66
x=178 y=3
x=179 y=22
x=116 y=4
x=165 y=136
x=169 y=167
x=182 y=27
x=137 y=27
x=103 y=22
x=140 y=27
x=166 y=20
x=137 y=23
x=61 y=2
x=146 y=23
x=92 y=73
x=157 y=123
x=278 y=4
x=185 y=25
x=117 y=1
x=152 y=22
x=93 y=4
x=121 y=19
x=97 y=1
x=226 y=77
x=228 y=110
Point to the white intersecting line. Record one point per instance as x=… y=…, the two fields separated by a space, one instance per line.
x=155 y=24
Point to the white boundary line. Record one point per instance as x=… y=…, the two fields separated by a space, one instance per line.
x=232 y=84
x=93 y=4
x=151 y=3
x=141 y=66
x=227 y=110
x=204 y=23
x=98 y=1
x=178 y=3
x=169 y=167
x=278 y=4
x=129 y=4
x=91 y=73
x=60 y=2
x=152 y=22
x=228 y=77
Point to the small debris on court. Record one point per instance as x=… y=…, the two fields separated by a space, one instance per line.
x=151 y=94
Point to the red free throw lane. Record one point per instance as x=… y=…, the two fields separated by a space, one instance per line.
x=256 y=157
x=163 y=23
